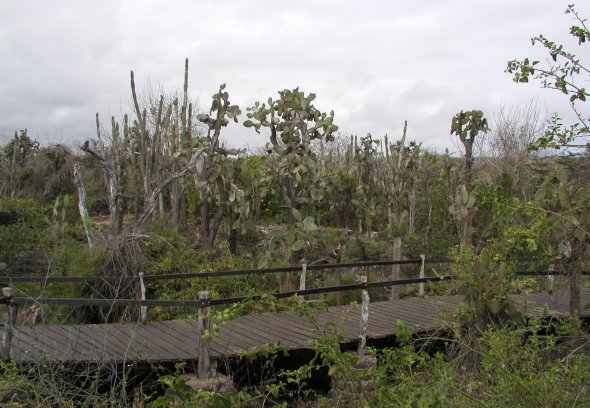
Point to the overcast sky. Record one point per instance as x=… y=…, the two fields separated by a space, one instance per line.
x=375 y=63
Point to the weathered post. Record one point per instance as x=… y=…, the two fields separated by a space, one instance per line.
x=364 y=321
x=550 y=279
x=142 y=309
x=9 y=324
x=421 y=284
x=302 y=278
x=204 y=325
x=338 y=276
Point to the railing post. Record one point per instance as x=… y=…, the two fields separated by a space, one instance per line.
x=364 y=320
x=203 y=325
x=142 y=309
x=9 y=324
x=302 y=277
x=338 y=274
x=550 y=279
x=421 y=284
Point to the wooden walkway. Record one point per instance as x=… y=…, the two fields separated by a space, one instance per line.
x=177 y=340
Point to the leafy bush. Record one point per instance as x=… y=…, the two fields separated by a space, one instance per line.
x=22 y=230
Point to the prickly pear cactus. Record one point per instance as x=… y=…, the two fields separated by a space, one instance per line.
x=462 y=208
x=486 y=283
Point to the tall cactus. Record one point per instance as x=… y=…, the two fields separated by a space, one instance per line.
x=467 y=125
x=486 y=284
x=294 y=123
x=398 y=179
x=463 y=208
x=145 y=152
x=364 y=167
x=211 y=182
x=398 y=182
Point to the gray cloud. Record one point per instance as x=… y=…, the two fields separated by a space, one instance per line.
x=375 y=63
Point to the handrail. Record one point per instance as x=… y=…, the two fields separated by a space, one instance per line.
x=225 y=301
x=204 y=301
x=214 y=302
x=211 y=274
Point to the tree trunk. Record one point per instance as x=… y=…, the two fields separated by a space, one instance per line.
x=82 y=207
x=468 y=230
x=412 y=212
x=575 y=281
x=12 y=186
x=395 y=269
x=176 y=193
x=205 y=214
x=107 y=166
x=153 y=201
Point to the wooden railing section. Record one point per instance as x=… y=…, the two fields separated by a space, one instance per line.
x=204 y=301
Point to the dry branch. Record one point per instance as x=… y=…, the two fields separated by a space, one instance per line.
x=82 y=207
x=194 y=164
x=107 y=166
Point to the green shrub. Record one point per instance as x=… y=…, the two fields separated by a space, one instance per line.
x=23 y=230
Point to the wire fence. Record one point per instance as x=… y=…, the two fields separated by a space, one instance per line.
x=204 y=300
x=9 y=281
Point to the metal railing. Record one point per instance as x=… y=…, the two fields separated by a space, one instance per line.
x=204 y=301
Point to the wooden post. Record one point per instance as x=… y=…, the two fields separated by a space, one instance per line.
x=550 y=279
x=9 y=324
x=338 y=276
x=421 y=284
x=142 y=309
x=364 y=320
x=302 y=278
x=203 y=325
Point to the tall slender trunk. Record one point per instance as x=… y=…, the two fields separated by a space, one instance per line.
x=13 y=167
x=395 y=269
x=82 y=207
x=575 y=281
x=205 y=214
x=412 y=212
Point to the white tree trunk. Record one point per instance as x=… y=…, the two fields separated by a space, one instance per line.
x=82 y=207
x=395 y=269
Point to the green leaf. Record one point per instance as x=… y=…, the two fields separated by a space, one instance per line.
x=309 y=224
x=563 y=198
x=485 y=257
x=278 y=234
x=541 y=194
x=562 y=176
x=479 y=268
x=290 y=236
x=298 y=245
x=333 y=370
x=296 y=214
x=263 y=263
x=248 y=123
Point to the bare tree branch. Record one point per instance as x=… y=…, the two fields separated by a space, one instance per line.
x=193 y=165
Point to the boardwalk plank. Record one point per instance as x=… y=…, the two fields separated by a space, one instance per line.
x=177 y=340
x=285 y=335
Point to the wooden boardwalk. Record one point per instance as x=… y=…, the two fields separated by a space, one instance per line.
x=177 y=340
